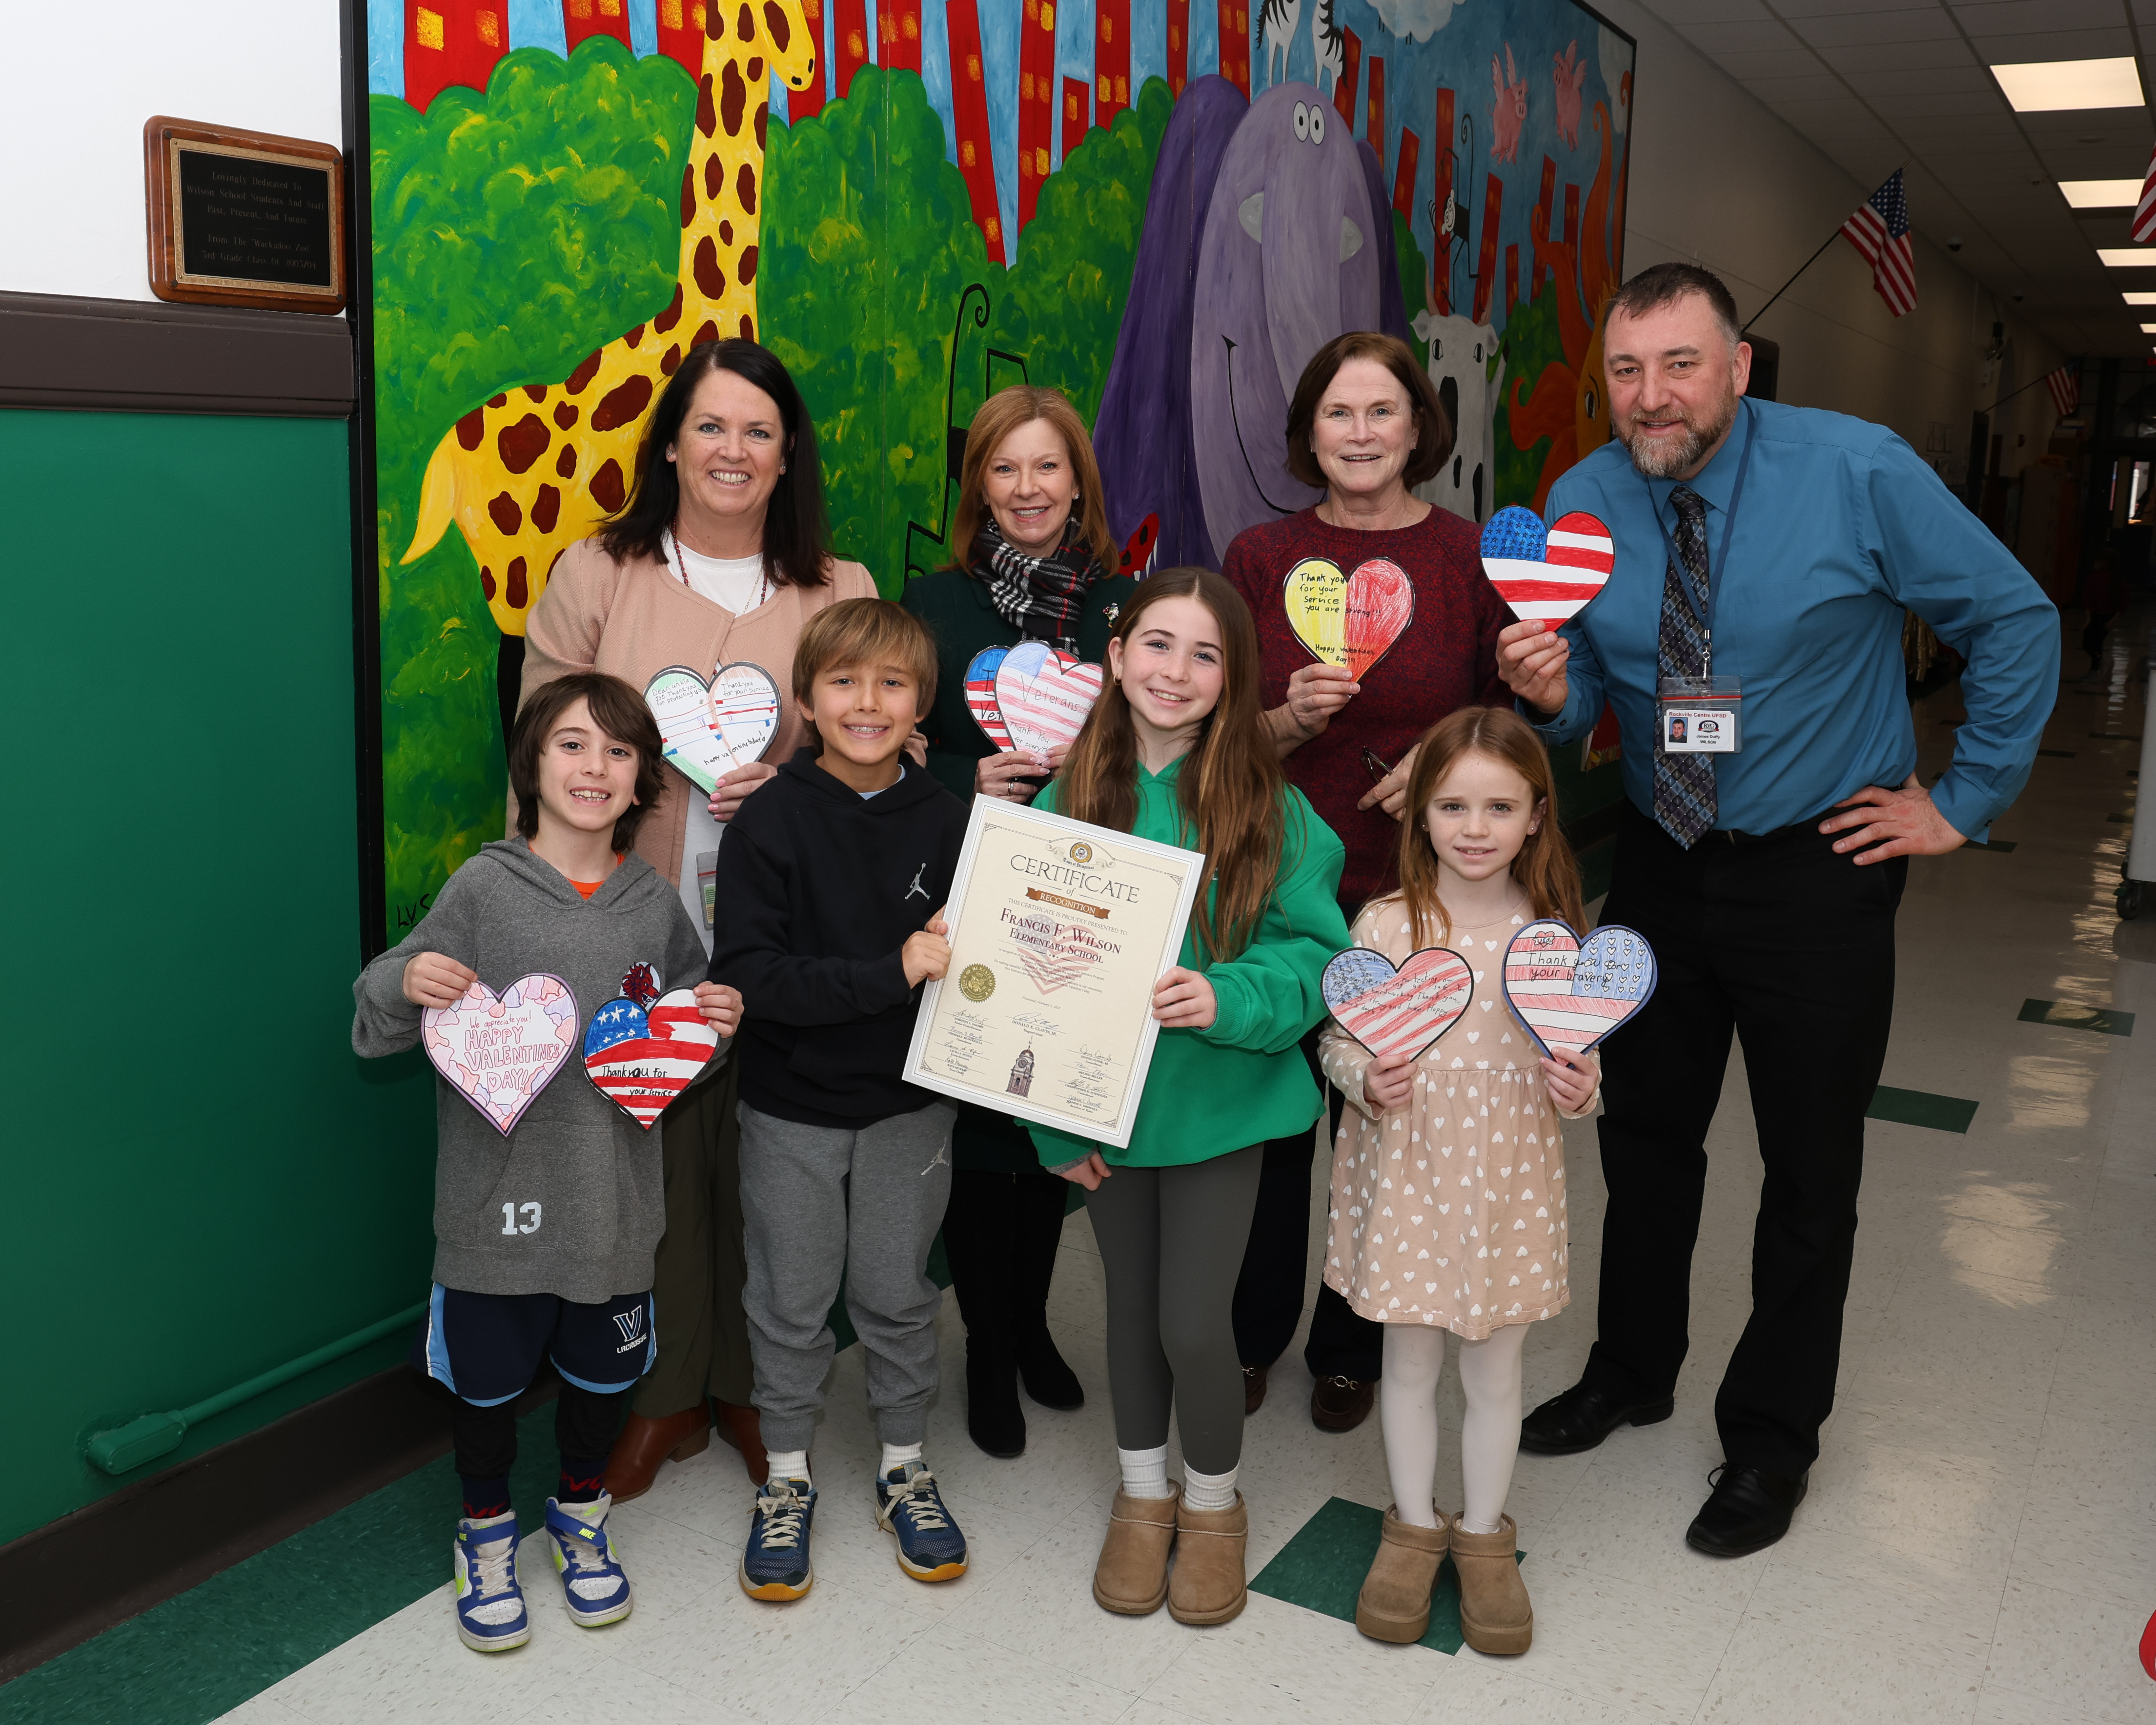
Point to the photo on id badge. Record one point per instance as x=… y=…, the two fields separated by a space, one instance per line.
x=1698 y=715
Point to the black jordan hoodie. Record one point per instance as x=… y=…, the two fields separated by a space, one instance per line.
x=818 y=888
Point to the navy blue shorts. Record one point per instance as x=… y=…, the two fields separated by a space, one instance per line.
x=486 y=1348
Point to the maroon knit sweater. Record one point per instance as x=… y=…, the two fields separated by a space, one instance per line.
x=1445 y=657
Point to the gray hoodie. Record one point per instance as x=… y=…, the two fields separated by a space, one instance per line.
x=593 y=1174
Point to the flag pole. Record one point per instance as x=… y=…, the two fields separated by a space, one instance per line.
x=1805 y=265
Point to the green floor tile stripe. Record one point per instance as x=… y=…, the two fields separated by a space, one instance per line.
x=207 y=1650
x=1322 y=1569
x=2074 y=1015
x=1920 y=1107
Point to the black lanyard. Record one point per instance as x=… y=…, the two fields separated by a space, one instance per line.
x=1706 y=615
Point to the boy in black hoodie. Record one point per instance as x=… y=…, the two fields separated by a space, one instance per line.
x=831 y=887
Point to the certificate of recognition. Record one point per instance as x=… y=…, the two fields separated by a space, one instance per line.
x=1059 y=931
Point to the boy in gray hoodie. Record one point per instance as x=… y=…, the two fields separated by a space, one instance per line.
x=548 y=1194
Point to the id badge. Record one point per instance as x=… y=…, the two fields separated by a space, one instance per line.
x=1699 y=716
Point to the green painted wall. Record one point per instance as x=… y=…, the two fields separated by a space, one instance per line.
x=200 y=1179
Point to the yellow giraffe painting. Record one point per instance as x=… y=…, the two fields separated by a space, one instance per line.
x=527 y=474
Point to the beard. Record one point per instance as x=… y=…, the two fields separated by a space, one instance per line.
x=1659 y=458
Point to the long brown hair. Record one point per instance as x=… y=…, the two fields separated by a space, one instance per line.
x=1231 y=788
x=999 y=416
x=1544 y=870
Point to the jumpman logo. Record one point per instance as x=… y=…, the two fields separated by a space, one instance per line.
x=939 y=1159
x=916 y=886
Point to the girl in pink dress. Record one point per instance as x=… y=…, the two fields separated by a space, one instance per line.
x=1448 y=1176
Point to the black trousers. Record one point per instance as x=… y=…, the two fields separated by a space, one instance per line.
x=1791 y=947
x=1269 y=1291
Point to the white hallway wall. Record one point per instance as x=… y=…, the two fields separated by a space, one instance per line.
x=71 y=202
x=1718 y=180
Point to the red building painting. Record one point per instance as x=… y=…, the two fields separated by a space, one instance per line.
x=451 y=42
x=1441 y=162
x=969 y=107
x=1036 y=103
x=1178 y=45
x=805 y=104
x=849 y=36
x=1485 y=270
x=1404 y=180
x=682 y=33
x=1373 y=128
x=584 y=19
x=1076 y=95
x=898 y=35
x=1235 y=43
x=1351 y=73
x=1111 y=59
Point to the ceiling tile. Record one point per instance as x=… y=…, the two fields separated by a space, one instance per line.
x=1770 y=90
x=1850 y=29
x=1874 y=56
x=1945 y=101
x=2002 y=50
x=1740 y=35
x=1794 y=61
x=1819 y=8
x=2000 y=17
x=1928 y=80
x=1705 y=11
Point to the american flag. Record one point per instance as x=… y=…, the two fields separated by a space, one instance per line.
x=2066 y=384
x=1570 y=994
x=2144 y=213
x=1399 y=1011
x=642 y=1061
x=1879 y=230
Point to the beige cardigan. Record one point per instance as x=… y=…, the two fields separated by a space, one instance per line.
x=633 y=619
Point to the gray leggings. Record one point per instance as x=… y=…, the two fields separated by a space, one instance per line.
x=1172 y=1241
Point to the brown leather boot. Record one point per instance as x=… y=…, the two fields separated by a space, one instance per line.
x=1132 y=1577
x=743 y=1428
x=1206 y=1587
x=1495 y=1616
x=1394 y=1603
x=644 y=1444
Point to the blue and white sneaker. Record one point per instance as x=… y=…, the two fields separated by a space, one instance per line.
x=930 y=1546
x=490 y=1616
x=592 y=1583
x=775 y=1562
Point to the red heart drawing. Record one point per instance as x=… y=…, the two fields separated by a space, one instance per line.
x=1397 y=1011
x=1348 y=620
x=499 y=1051
x=643 y=1060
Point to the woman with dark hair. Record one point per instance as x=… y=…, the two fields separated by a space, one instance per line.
x=720 y=554
x=1033 y=526
x=1420 y=627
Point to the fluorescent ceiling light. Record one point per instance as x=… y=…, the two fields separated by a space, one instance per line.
x=2128 y=257
x=2043 y=86
x=2101 y=194
x=2141 y=298
x=2148 y=329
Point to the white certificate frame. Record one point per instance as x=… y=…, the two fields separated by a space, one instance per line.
x=994 y=823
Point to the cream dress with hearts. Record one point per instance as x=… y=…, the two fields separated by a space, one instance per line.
x=1449 y=1211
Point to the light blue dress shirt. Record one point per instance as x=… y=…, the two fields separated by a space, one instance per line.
x=1841 y=526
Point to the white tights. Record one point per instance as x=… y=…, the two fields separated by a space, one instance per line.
x=1489 y=1437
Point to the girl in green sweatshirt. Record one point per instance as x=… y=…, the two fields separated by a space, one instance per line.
x=1176 y=750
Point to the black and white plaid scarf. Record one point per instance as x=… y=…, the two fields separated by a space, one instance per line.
x=1041 y=598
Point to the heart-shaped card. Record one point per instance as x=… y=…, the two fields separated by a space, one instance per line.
x=642 y=1060
x=1397 y=1011
x=1044 y=695
x=981 y=695
x=710 y=728
x=1571 y=993
x=1348 y=620
x=501 y=1051
x=1547 y=573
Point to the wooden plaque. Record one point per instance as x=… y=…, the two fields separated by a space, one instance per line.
x=244 y=218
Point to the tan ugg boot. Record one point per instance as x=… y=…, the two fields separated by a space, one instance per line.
x=1206 y=1587
x=1132 y=1577
x=1394 y=1603
x=1495 y=1616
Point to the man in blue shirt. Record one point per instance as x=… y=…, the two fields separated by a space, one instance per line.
x=1749 y=642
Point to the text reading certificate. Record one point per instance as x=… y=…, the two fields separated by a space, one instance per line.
x=1059 y=931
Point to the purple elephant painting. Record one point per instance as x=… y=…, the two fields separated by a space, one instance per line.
x=1267 y=234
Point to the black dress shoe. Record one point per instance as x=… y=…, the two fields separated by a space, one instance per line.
x=1253 y=1388
x=1583 y=1416
x=1048 y=1376
x=1340 y=1404
x=1748 y=1512
x=994 y=1419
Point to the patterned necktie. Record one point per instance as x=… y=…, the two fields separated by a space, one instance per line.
x=1684 y=784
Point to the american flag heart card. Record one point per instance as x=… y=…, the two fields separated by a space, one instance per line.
x=641 y=1060
x=980 y=695
x=1397 y=1010
x=1044 y=695
x=1571 y=993
x=499 y=1051
x=1547 y=573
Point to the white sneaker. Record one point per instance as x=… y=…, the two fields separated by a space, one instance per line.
x=592 y=1580
x=490 y=1616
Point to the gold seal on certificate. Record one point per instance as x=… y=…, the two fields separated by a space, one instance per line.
x=1059 y=931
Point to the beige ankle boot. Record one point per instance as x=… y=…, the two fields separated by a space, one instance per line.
x=1394 y=1603
x=1206 y=1587
x=1495 y=1616
x=1132 y=1577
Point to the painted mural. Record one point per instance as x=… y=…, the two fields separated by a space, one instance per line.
x=1162 y=206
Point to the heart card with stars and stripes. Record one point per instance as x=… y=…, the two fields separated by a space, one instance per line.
x=1546 y=573
x=980 y=695
x=1397 y=1010
x=641 y=1059
x=1571 y=993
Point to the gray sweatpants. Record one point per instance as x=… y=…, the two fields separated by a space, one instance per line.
x=818 y=1202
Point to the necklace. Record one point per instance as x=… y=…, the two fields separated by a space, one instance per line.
x=681 y=568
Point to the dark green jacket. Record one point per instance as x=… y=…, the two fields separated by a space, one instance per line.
x=956 y=608
x=958 y=613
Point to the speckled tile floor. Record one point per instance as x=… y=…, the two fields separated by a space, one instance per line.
x=1979 y=1543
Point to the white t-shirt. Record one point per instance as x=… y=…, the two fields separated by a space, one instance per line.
x=738 y=583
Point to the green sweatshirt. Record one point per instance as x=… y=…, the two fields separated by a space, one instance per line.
x=1242 y=1080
